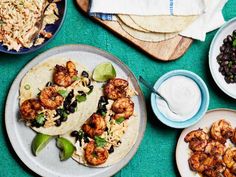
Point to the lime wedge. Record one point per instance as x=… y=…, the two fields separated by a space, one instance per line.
x=39 y=142
x=66 y=148
x=104 y=72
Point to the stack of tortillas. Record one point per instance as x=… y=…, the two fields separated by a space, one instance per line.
x=154 y=28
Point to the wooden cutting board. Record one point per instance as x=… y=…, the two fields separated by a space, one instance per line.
x=166 y=50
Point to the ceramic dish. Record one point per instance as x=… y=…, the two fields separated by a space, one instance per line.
x=182 y=149
x=62 y=5
x=204 y=103
x=228 y=28
x=48 y=163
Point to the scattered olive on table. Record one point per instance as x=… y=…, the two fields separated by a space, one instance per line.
x=227 y=58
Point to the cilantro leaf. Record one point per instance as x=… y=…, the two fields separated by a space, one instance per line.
x=100 y=142
x=81 y=98
x=40 y=118
x=120 y=120
x=63 y=93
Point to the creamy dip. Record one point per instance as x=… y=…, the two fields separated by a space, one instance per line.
x=183 y=96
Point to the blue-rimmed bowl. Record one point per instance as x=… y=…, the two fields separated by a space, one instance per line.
x=53 y=28
x=204 y=99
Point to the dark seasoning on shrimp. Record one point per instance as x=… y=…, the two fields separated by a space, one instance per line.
x=211 y=156
x=54 y=103
x=96 y=135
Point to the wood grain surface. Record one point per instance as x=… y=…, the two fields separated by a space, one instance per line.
x=166 y=50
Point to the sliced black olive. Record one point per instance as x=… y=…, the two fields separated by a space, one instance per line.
x=111 y=150
x=58 y=122
x=85 y=74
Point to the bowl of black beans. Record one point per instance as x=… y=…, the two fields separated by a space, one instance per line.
x=222 y=58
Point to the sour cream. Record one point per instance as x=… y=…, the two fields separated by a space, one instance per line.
x=183 y=96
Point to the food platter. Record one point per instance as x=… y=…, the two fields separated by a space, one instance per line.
x=182 y=149
x=48 y=163
x=52 y=28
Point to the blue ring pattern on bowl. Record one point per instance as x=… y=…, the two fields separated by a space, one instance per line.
x=204 y=102
x=54 y=28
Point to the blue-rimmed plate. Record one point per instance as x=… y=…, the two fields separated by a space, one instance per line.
x=228 y=28
x=54 y=28
x=204 y=99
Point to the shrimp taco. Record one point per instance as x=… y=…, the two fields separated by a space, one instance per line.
x=110 y=132
x=57 y=95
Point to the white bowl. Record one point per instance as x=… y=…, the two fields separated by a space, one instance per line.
x=228 y=28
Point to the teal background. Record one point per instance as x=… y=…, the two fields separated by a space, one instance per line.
x=156 y=154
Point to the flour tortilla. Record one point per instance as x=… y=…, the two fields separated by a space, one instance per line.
x=37 y=78
x=163 y=24
x=128 y=140
x=147 y=37
x=127 y=20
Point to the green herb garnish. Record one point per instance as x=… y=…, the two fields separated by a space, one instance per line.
x=100 y=142
x=1 y=22
x=120 y=120
x=103 y=114
x=80 y=135
x=234 y=43
x=27 y=87
x=81 y=98
x=75 y=78
x=40 y=118
x=63 y=93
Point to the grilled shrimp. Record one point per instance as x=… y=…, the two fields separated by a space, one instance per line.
x=49 y=98
x=200 y=162
x=95 y=155
x=227 y=173
x=215 y=148
x=197 y=140
x=233 y=138
x=230 y=158
x=221 y=130
x=216 y=169
x=95 y=126
x=29 y=109
x=123 y=107
x=116 y=88
x=63 y=76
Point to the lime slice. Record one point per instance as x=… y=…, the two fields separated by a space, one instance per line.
x=66 y=148
x=104 y=72
x=39 y=142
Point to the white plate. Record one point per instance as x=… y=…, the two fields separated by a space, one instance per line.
x=48 y=163
x=228 y=28
x=182 y=150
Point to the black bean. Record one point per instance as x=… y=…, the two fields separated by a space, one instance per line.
x=91 y=88
x=102 y=99
x=74 y=133
x=227 y=79
x=58 y=122
x=234 y=49
x=111 y=150
x=225 y=63
x=225 y=57
x=71 y=109
x=234 y=33
x=59 y=112
x=221 y=69
x=225 y=41
x=89 y=82
x=86 y=140
x=230 y=38
x=74 y=104
x=222 y=48
x=63 y=119
x=227 y=50
x=70 y=95
x=85 y=74
x=66 y=104
x=49 y=84
x=106 y=129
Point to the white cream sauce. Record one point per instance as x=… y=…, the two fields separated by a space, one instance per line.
x=183 y=96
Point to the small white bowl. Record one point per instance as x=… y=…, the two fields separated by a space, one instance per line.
x=228 y=28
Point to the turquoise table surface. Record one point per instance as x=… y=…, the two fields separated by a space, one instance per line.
x=156 y=154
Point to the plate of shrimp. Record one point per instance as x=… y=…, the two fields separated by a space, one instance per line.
x=102 y=122
x=209 y=148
